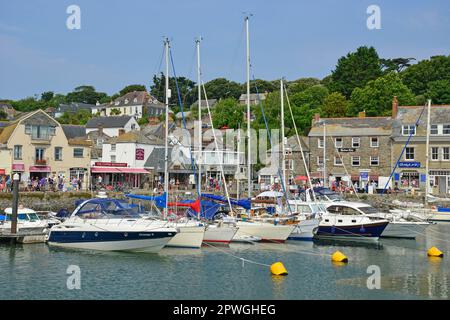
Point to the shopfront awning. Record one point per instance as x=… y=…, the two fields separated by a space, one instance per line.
x=40 y=169
x=132 y=170
x=104 y=170
x=2 y=171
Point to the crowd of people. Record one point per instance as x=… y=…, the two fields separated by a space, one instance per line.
x=51 y=183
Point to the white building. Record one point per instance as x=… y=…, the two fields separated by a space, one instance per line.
x=113 y=126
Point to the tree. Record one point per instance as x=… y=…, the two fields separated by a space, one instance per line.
x=81 y=117
x=3 y=115
x=376 y=97
x=47 y=96
x=28 y=104
x=228 y=112
x=115 y=112
x=335 y=105
x=219 y=88
x=85 y=94
x=396 y=64
x=301 y=84
x=157 y=89
x=131 y=88
x=355 y=70
x=438 y=91
x=417 y=76
x=261 y=86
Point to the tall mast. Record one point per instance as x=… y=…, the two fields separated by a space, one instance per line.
x=283 y=150
x=238 y=171
x=166 y=146
x=427 y=154
x=324 y=156
x=200 y=149
x=249 y=152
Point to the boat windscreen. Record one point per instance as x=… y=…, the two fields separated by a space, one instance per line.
x=368 y=210
x=106 y=210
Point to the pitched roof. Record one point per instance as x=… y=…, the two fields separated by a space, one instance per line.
x=108 y=122
x=211 y=103
x=364 y=126
x=74 y=107
x=73 y=131
x=137 y=137
x=7 y=132
x=156 y=159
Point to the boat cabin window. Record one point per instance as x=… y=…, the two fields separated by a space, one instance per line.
x=301 y=208
x=105 y=209
x=368 y=210
x=343 y=210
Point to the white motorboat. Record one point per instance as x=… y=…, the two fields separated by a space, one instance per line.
x=400 y=225
x=190 y=234
x=267 y=231
x=307 y=217
x=106 y=225
x=219 y=233
x=27 y=221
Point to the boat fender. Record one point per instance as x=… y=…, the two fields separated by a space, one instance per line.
x=435 y=252
x=339 y=257
x=278 y=269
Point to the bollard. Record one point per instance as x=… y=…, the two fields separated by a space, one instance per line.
x=15 y=203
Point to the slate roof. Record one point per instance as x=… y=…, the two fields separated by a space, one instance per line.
x=73 y=131
x=137 y=137
x=211 y=102
x=108 y=122
x=344 y=127
x=74 y=107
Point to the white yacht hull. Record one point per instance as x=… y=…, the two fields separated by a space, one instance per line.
x=408 y=230
x=265 y=231
x=304 y=230
x=188 y=237
x=219 y=234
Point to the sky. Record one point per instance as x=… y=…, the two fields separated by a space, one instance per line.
x=121 y=42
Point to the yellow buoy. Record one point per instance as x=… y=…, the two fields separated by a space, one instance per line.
x=435 y=252
x=278 y=269
x=339 y=257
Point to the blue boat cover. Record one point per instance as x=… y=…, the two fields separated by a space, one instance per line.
x=442 y=209
x=160 y=201
x=208 y=211
x=244 y=203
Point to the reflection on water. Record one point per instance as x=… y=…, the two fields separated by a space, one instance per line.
x=429 y=285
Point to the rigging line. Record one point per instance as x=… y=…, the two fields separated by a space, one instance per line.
x=271 y=145
x=300 y=144
x=239 y=43
x=404 y=148
x=217 y=148
x=343 y=164
x=157 y=71
x=235 y=256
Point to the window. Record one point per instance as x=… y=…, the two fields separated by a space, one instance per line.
x=39 y=153
x=17 y=152
x=337 y=161
x=133 y=126
x=434 y=129
x=374 y=143
x=435 y=153
x=28 y=129
x=126 y=101
x=42 y=132
x=135 y=100
x=265 y=179
x=58 y=153
x=338 y=142
x=409 y=130
x=446 y=153
x=113 y=158
x=355 y=142
x=113 y=147
x=446 y=129
x=374 y=161
x=320 y=161
x=409 y=153
x=320 y=143
x=78 y=152
x=356 y=161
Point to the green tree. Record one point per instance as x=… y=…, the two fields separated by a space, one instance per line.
x=157 y=89
x=335 y=105
x=47 y=96
x=219 y=88
x=85 y=94
x=417 y=76
x=131 y=88
x=28 y=104
x=228 y=112
x=115 y=112
x=81 y=117
x=355 y=70
x=396 y=64
x=261 y=85
x=376 y=97
x=301 y=84
x=438 y=91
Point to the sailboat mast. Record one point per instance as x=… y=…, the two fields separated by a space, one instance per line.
x=249 y=154
x=166 y=145
x=427 y=154
x=283 y=150
x=200 y=149
x=324 y=156
x=238 y=171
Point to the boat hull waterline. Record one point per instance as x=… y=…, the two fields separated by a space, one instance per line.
x=367 y=232
x=266 y=231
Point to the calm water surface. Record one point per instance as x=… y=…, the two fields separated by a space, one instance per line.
x=39 y=272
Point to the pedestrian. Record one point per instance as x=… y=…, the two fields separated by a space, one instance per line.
x=79 y=183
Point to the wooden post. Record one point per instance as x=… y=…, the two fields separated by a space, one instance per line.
x=15 y=204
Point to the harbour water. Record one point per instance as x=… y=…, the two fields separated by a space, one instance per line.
x=40 y=272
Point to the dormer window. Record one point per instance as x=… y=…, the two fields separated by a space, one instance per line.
x=409 y=130
x=126 y=101
x=135 y=100
x=117 y=103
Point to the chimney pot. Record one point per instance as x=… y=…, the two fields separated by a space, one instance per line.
x=362 y=114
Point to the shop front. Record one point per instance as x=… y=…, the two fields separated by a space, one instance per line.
x=440 y=181
x=39 y=172
x=117 y=175
x=18 y=168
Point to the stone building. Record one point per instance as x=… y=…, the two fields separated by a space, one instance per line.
x=357 y=149
x=411 y=170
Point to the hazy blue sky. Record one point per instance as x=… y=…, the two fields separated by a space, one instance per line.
x=120 y=42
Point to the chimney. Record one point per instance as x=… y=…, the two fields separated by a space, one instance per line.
x=362 y=114
x=394 y=107
x=100 y=128
x=316 y=118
